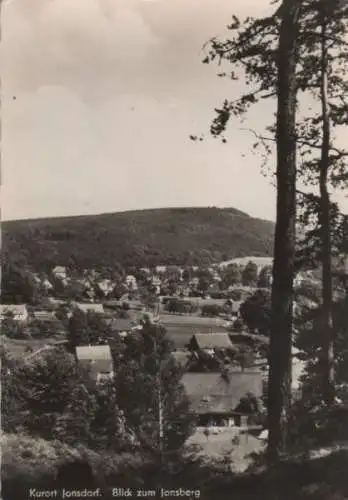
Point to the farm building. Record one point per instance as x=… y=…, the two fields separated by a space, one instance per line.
x=89 y=307
x=211 y=341
x=60 y=272
x=219 y=399
x=122 y=326
x=97 y=359
x=248 y=338
x=43 y=315
x=18 y=312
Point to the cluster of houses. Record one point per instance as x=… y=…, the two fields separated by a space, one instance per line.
x=222 y=398
x=92 y=285
x=217 y=399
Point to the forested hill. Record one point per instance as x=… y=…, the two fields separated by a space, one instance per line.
x=186 y=236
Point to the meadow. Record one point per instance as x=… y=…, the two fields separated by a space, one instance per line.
x=180 y=328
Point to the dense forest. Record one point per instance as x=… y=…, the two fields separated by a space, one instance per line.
x=182 y=236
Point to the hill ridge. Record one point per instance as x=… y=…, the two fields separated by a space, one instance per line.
x=170 y=235
x=236 y=212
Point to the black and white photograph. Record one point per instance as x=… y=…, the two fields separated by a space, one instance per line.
x=174 y=249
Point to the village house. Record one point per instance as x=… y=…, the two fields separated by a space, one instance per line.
x=106 y=287
x=18 y=312
x=97 y=359
x=246 y=338
x=145 y=270
x=213 y=289
x=89 y=307
x=182 y=290
x=53 y=303
x=44 y=315
x=131 y=283
x=209 y=342
x=59 y=272
x=216 y=276
x=122 y=326
x=194 y=282
x=49 y=319
x=234 y=308
x=161 y=269
x=156 y=282
x=220 y=399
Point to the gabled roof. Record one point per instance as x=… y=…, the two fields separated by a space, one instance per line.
x=213 y=340
x=92 y=307
x=44 y=315
x=213 y=393
x=260 y=339
x=16 y=309
x=59 y=269
x=96 y=358
x=93 y=352
x=121 y=324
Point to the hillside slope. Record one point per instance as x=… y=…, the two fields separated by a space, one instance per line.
x=192 y=236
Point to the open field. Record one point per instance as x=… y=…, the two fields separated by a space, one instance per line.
x=18 y=348
x=181 y=328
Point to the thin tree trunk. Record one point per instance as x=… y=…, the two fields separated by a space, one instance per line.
x=280 y=365
x=325 y=223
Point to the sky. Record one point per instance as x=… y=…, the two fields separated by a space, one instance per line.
x=99 y=98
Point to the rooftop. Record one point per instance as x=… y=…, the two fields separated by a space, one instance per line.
x=213 y=340
x=93 y=352
x=14 y=308
x=86 y=307
x=95 y=357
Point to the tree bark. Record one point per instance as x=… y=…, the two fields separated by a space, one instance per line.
x=325 y=223
x=280 y=364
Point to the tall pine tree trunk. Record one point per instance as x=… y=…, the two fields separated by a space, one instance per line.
x=280 y=364
x=325 y=225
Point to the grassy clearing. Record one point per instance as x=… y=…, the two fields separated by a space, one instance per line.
x=181 y=328
x=18 y=348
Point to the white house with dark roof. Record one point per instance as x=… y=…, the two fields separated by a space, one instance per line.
x=131 y=282
x=97 y=359
x=106 y=286
x=18 y=312
x=59 y=272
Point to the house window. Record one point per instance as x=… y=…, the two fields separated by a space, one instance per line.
x=244 y=421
